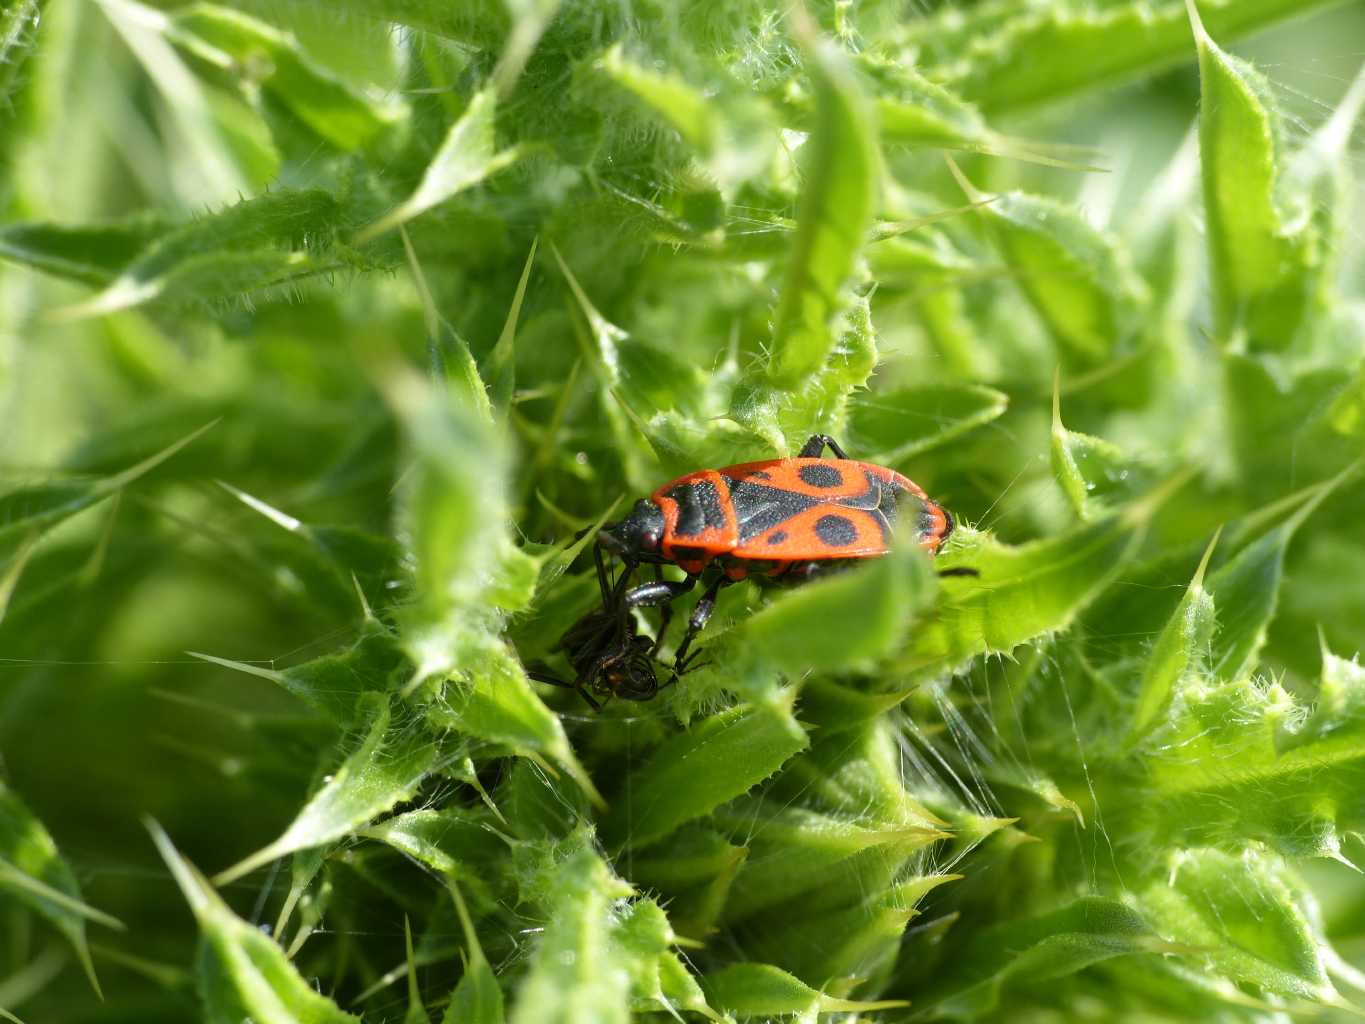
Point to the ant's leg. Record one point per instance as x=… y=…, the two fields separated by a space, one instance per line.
x=700 y=616
x=814 y=448
x=545 y=677
x=602 y=583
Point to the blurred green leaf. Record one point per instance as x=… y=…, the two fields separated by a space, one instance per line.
x=268 y=58
x=18 y=32
x=242 y=973
x=253 y=244
x=89 y=254
x=836 y=210
x=466 y=157
x=1095 y=45
x=35 y=875
x=385 y=769
x=892 y=427
x=1079 y=281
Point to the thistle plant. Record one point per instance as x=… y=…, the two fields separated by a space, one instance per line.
x=326 y=332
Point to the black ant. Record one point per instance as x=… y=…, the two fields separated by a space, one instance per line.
x=608 y=654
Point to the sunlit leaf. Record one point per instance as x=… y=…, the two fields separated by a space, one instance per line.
x=1258 y=261
x=1022 y=592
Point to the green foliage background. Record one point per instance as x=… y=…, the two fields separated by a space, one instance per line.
x=323 y=325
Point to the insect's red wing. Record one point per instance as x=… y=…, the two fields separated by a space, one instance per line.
x=821 y=532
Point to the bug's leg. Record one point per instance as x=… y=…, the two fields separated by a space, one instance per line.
x=650 y=595
x=959 y=570
x=815 y=447
x=665 y=613
x=697 y=621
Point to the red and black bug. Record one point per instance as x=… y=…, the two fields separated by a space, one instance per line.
x=780 y=520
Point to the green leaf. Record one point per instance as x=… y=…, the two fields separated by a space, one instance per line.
x=1089 y=469
x=689 y=112
x=989 y=52
x=274 y=60
x=1079 y=281
x=891 y=427
x=850 y=621
x=1040 y=948
x=334 y=683
x=477 y=999
x=1246 y=590
x=256 y=243
x=835 y=213
x=800 y=856
x=844 y=946
x=385 y=769
x=501 y=367
x=1246 y=913
x=36 y=876
x=495 y=702
x=90 y=254
x=573 y=978
x=694 y=868
x=642 y=941
x=18 y=32
x=1258 y=261
x=694 y=772
x=762 y=990
x=913 y=110
x=1022 y=592
x=243 y=974
x=449 y=841
x=466 y=157
x=1183 y=646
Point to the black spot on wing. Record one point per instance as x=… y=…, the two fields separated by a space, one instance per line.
x=836 y=531
x=758 y=508
x=777 y=538
x=699 y=508
x=820 y=476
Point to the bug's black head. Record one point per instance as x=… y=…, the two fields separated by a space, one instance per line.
x=639 y=533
